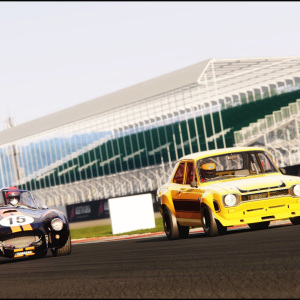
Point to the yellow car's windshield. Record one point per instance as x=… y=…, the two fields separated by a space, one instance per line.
x=239 y=164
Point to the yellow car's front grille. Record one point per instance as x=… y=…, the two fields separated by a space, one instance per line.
x=279 y=193
x=265 y=195
x=254 y=196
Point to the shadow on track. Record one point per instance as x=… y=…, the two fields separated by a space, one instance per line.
x=196 y=235
x=20 y=259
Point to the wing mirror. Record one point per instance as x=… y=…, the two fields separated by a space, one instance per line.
x=282 y=170
x=194 y=184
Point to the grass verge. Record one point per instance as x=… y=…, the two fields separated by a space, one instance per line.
x=106 y=230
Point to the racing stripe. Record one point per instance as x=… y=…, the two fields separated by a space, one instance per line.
x=15 y=228
x=19 y=250
x=25 y=227
x=29 y=248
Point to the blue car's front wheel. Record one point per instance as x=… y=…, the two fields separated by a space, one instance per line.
x=65 y=250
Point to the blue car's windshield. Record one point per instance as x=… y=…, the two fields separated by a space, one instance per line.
x=17 y=198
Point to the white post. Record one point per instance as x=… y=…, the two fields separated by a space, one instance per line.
x=169 y=158
x=180 y=134
x=220 y=115
x=196 y=129
x=150 y=181
x=175 y=146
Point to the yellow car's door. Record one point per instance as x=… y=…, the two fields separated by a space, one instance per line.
x=176 y=188
x=190 y=201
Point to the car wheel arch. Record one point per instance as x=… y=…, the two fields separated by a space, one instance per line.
x=208 y=201
x=167 y=201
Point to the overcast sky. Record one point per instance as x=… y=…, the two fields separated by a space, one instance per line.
x=55 y=55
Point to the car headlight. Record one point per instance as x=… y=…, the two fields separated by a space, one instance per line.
x=57 y=224
x=230 y=200
x=296 y=190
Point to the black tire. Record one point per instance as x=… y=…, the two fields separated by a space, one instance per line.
x=183 y=231
x=170 y=224
x=295 y=220
x=211 y=226
x=259 y=225
x=65 y=250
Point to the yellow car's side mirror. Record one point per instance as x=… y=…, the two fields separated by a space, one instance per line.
x=194 y=184
x=282 y=170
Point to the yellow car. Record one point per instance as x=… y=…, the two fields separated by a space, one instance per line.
x=225 y=187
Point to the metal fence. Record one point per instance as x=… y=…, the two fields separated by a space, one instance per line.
x=121 y=184
x=278 y=133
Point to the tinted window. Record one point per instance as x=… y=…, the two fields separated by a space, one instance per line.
x=240 y=164
x=190 y=173
x=254 y=166
x=23 y=198
x=267 y=163
x=227 y=162
x=178 y=178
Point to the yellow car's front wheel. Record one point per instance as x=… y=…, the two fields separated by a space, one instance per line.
x=211 y=226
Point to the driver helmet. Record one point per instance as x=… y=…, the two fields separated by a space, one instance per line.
x=13 y=196
x=208 y=169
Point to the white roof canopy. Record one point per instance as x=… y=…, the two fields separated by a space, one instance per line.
x=216 y=78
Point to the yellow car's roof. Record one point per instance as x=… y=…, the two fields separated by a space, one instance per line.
x=198 y=155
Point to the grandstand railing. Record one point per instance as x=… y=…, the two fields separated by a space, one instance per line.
x=278 y=133
x=121 y=184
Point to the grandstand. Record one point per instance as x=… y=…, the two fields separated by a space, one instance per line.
x=127 y=142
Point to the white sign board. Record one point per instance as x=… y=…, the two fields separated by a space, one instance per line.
x=131 y=213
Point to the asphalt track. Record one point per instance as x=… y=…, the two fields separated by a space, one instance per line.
x=240 y=264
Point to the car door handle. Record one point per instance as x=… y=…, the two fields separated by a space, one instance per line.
x=179 y=192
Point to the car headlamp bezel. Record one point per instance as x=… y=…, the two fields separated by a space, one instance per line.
x=57 y=224
x=296 y=186
x=237 y=200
